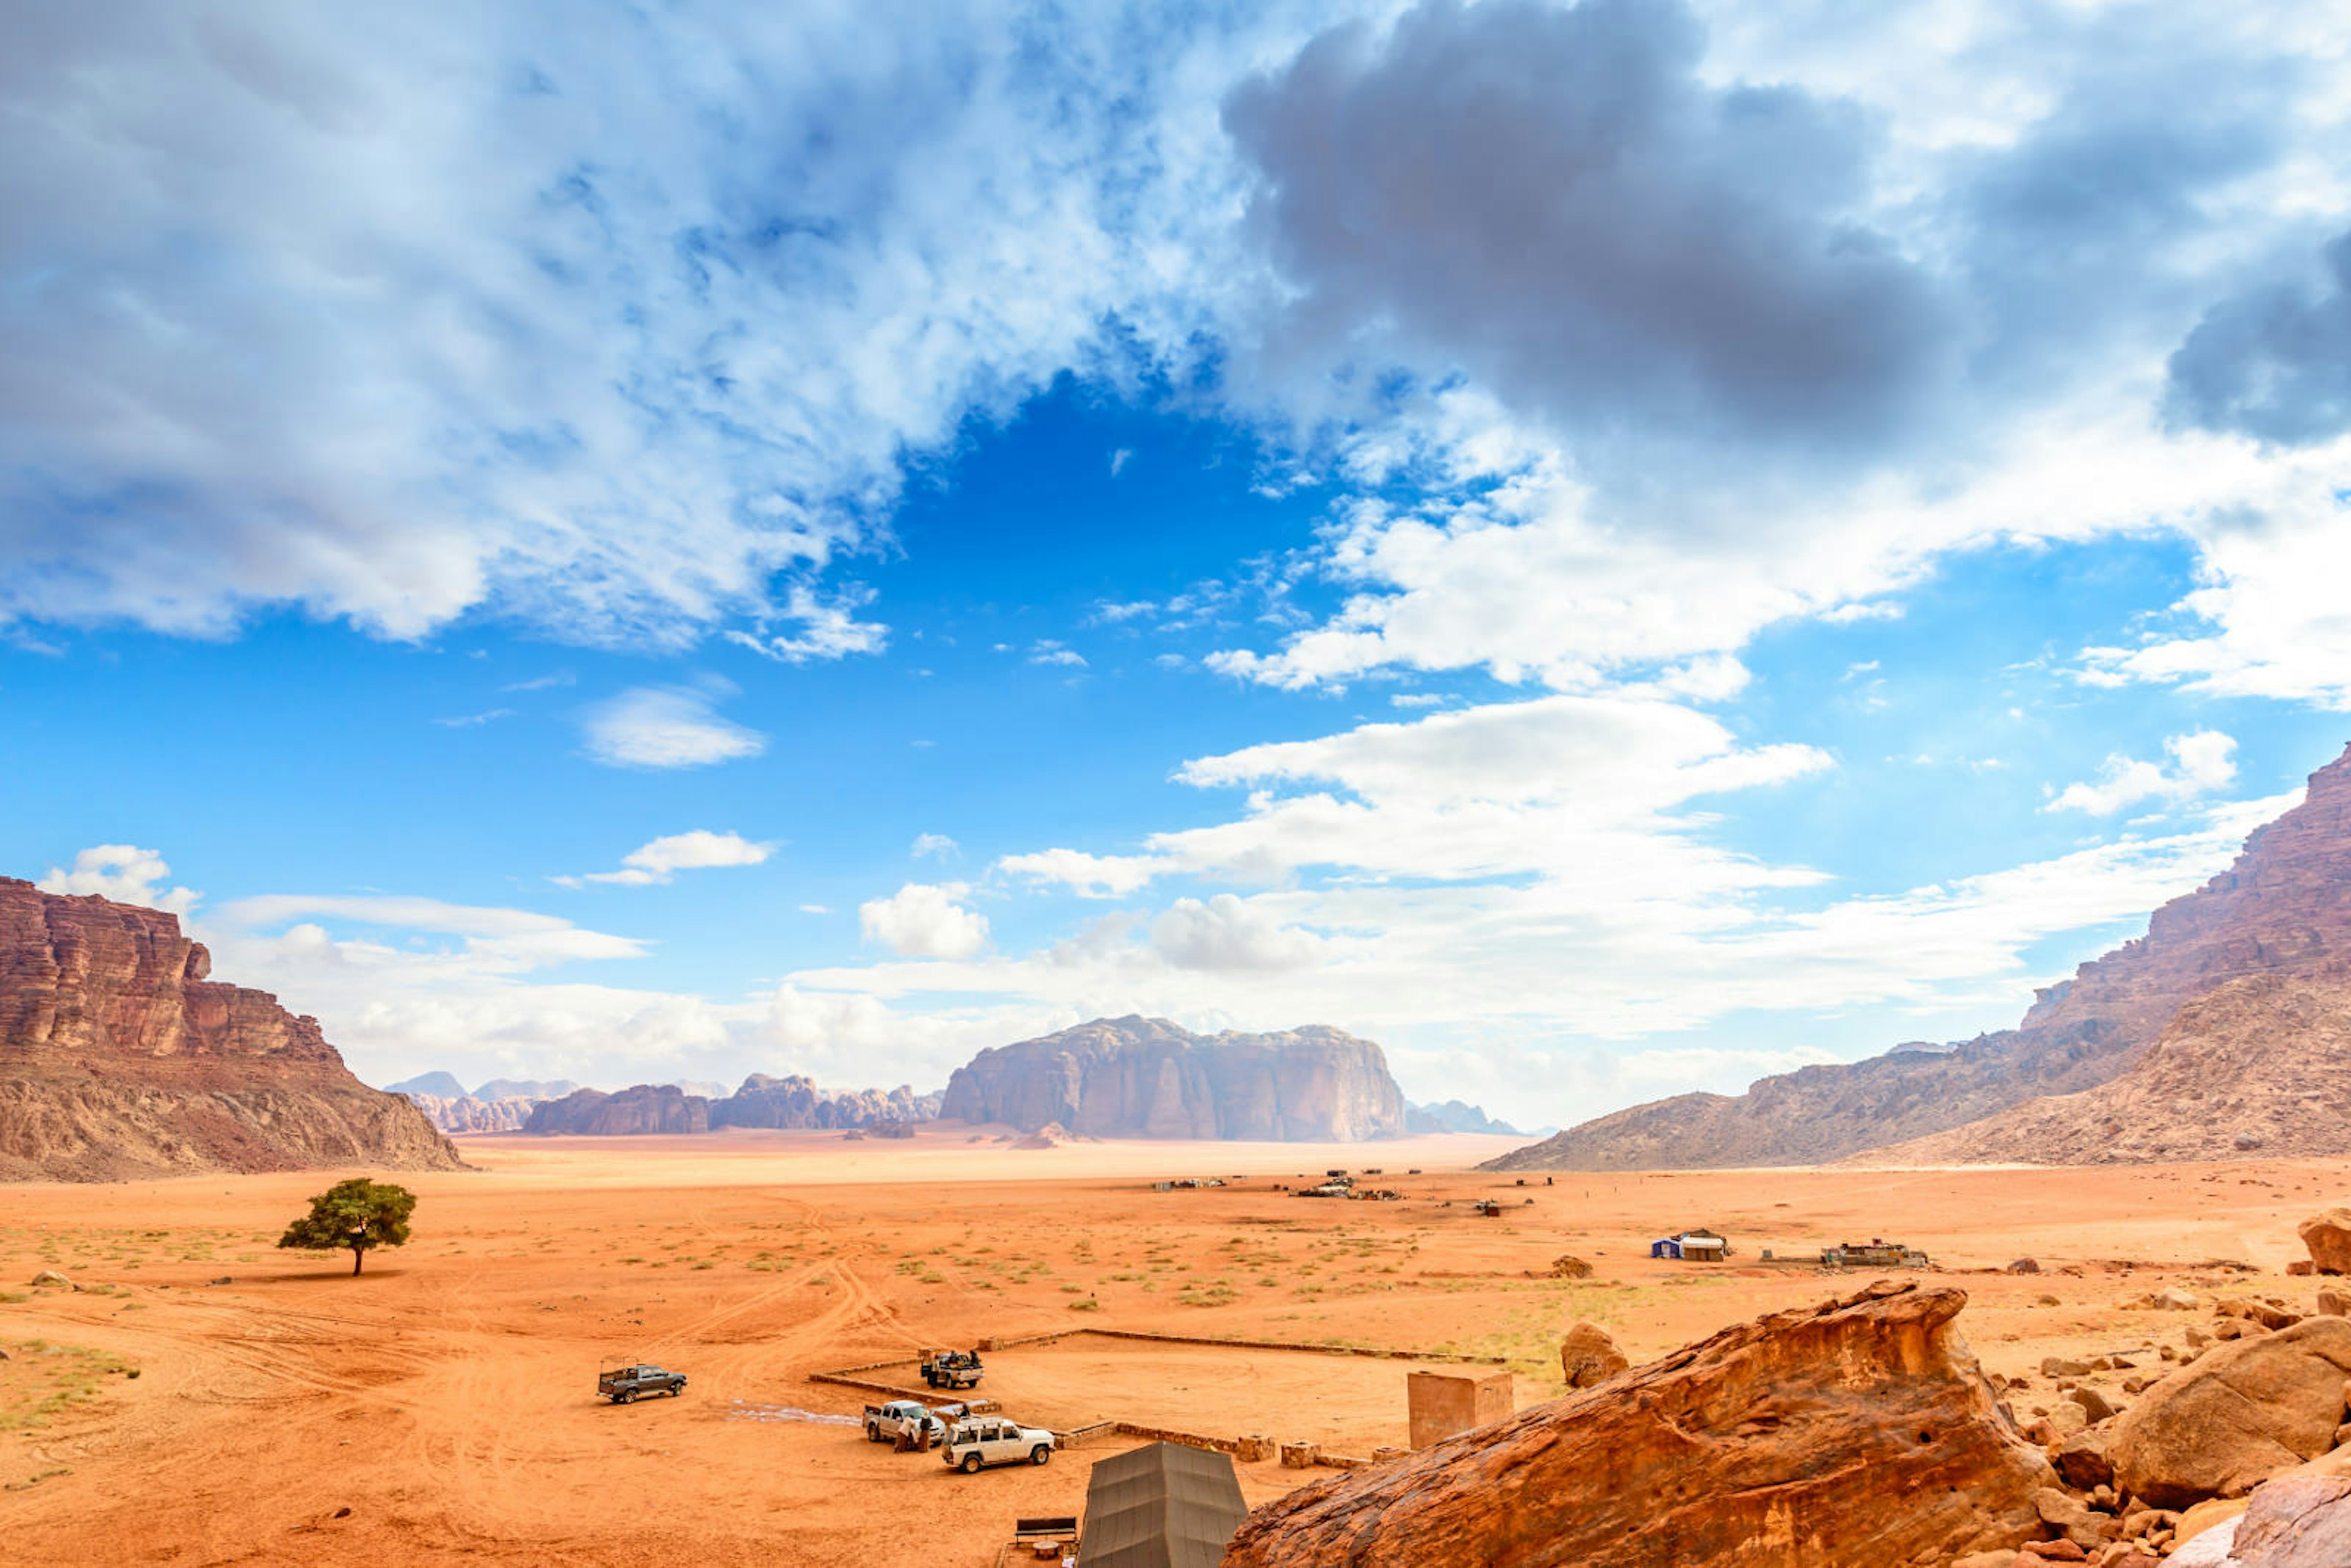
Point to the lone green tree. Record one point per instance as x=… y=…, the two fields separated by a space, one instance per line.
x=358 y=1213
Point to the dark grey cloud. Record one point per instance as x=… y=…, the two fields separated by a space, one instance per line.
x=1554 y=202
x=2273 y=362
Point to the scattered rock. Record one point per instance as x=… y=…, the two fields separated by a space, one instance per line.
x=1986 y=1560
x=1568 y=1266
x=2067 y=1417
x=2092 y=1403
x=1300 y=1456
x=2058 y=1366
x=2209 y=1550
x=51 y=1277
x=2302 y=1266
x=1588 y=1356
x=2024 y=1266
x=1860 y=1431
x=2172 y=1298
x=2334 y=1303
x=2081 y=1460
x=2328 y=1236
x=2241 y=1413
x=2062 y=1550
x=2070 y=1517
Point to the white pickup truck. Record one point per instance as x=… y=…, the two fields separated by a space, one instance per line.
x=884 y=1423
x=995 y=1440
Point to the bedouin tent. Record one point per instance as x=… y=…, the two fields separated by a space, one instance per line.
x=1165 y=1505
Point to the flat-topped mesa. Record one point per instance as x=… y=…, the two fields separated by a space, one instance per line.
x=643 y=1108
x=2283 y=910
x=120 y=1059
x=1146 y=1078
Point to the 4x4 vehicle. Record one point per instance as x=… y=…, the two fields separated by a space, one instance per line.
x=884 y=1423
x=624 y=1384
x=995 y=1440
x=952 y=1368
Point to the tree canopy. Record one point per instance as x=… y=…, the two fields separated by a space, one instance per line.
x=358 y=1213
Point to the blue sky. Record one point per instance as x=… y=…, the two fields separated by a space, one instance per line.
x=1613 y=547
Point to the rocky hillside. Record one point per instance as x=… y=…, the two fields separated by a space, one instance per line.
x=118 y=1058
x=2259 y=1064
x=2283 y=909
x=501 y=1106
x=1146 y=1078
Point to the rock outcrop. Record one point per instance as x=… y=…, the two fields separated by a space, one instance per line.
x=2240 y=1412
x=2327 y=1236
x=1146 y=1078
x=1588 y=1356
x=1859 y=1432
x=642 y=1109
x=1455 y=1117
x=2261 y=1064
x=119 y=1058
x=796 y=1102
x=2283 y=911
x=470 y=1114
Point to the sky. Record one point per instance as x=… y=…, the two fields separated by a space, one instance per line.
x=1613 y=549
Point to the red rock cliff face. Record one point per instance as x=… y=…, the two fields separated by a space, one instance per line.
x=1146 y=1078
x=118 y=1058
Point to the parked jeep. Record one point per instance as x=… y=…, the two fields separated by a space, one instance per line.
x=995 y=1440
x=623 y=1386
x=885 y=1423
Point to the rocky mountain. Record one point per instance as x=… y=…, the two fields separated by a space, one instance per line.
x=2283 y=910
x=645 y=1108
x=796 y=1102
x=1455 y=1117
x=1146 y=1078
x=439 y=1085
x=501 y=1106
x=119 y=1058
x=2259 y=1064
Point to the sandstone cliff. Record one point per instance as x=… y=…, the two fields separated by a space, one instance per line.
x=1852 y=1435
x=1146 y=1078
x=796 y=1102
x=473 y=1113
x=120 y=1059
x=2283 y=909
x=645 y=1108
x=2261 y=1064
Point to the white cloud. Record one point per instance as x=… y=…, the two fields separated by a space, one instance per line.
x=1052 y=653
x=923 y=921
x=1087 y=875
x=1226 y=934
x=1118 y=460
x=938 y=845
x=2203 y=762
x=495 y=940
x=668 y=726
x=476 y=720
x=124 y=872
x=828 y=630
x=660 y=860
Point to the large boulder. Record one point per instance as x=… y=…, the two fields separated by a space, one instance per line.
x=2243 y=1411
x=1587 y=1356
x=2296 y=1521
x=2328 y=1236
x=1858 y=1432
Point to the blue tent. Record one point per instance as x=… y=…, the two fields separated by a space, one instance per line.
x=1665 y=1247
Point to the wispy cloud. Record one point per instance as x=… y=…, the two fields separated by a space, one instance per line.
x=660 y=860
x=476 y=720
x=669 y=727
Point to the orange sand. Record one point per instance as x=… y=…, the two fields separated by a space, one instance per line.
x=444 y=1400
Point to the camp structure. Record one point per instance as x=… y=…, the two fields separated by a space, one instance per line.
x=1879 y=1253
x=1162 y=1506
x=1692 y=1246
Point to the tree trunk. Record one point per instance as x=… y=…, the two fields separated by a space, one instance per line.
x=358 y=1256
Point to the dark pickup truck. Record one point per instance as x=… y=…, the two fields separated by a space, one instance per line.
x=625 y=1384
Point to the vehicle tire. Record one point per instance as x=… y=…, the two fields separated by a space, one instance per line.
x=625 y=1397
x=676 y=1390
x=872 y=1433
x=970 y=1465
x=1041 y=1453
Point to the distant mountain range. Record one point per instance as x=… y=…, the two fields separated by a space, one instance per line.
x=1453 y=1116
x=2219 y=1032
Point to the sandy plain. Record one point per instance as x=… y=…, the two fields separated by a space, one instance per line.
x=440 y=1408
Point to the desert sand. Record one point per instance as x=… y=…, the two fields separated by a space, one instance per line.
x=441 y=1408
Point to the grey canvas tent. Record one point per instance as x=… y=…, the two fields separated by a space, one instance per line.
x=1165 y=1506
